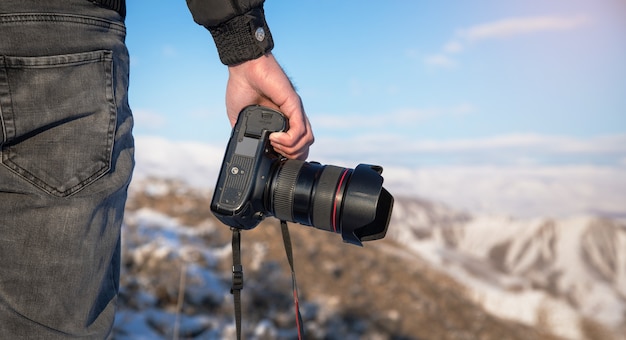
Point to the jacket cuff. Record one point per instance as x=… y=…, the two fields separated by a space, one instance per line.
x=242 y=38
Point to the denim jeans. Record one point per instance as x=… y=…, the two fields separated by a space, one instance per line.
x=66 y=160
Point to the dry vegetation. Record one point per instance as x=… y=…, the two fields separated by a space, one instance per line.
x=378 y=291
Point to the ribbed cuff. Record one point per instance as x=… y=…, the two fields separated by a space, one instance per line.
x=242 y=38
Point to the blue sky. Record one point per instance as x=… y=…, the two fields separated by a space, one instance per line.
x=411 y=83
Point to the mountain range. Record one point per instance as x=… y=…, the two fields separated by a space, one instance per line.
x=557 y=274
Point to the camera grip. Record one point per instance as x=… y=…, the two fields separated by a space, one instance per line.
x=248 y=153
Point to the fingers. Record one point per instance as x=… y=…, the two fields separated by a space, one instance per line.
x=295 y=142
x=262 y=81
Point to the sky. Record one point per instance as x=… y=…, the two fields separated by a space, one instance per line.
x=504 y=107
x=410 y=84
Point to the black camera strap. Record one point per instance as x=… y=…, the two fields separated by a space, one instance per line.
x=237 y=284
x=296 y=301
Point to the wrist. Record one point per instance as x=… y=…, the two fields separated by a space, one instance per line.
x=243 y=38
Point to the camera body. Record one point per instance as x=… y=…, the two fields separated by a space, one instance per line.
x=255 y=182
x=238 y=197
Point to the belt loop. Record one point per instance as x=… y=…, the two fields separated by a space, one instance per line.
x=117 y=5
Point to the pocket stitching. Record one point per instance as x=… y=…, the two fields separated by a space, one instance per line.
x=7 y=154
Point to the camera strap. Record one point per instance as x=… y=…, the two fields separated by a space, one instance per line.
x=237 y=284
x=288 y=250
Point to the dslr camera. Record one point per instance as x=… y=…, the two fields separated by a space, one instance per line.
x=255 y=182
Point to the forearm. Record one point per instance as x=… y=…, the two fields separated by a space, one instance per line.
x=244 y=43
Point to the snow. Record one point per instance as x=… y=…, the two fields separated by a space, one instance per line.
x=140 y=326
x=150 y=239
x=531 y=307
x=545 y=253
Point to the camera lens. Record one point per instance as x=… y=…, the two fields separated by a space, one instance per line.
x=308 y=193
x=341 y=200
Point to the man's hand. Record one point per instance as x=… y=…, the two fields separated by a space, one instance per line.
x=262 y=81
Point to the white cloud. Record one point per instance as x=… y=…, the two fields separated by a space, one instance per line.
x=441 y=60
x=502 y=29
x=398 y=118
x=511 y=27
x=510 y=150
x=196 y=163
x=463 y=109
x=523 y=191
x=169 y=51
x=453 y=47
x=149 y=119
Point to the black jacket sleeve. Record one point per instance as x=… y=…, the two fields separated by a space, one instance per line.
x=238 y=27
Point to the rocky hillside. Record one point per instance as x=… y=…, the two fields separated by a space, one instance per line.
x=176 y=278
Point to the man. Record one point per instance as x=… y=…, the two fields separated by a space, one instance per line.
x=67 y=149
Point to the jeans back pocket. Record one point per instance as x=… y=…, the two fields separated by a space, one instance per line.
x=58 y=118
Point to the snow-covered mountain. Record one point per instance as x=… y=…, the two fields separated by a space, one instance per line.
x=550 y=273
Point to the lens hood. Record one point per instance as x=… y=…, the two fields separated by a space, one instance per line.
x=367 y=206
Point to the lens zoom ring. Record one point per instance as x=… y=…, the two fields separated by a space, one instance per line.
x=325 y=197
x=284 y=189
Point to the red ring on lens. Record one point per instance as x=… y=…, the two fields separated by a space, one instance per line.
x=338 y=198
